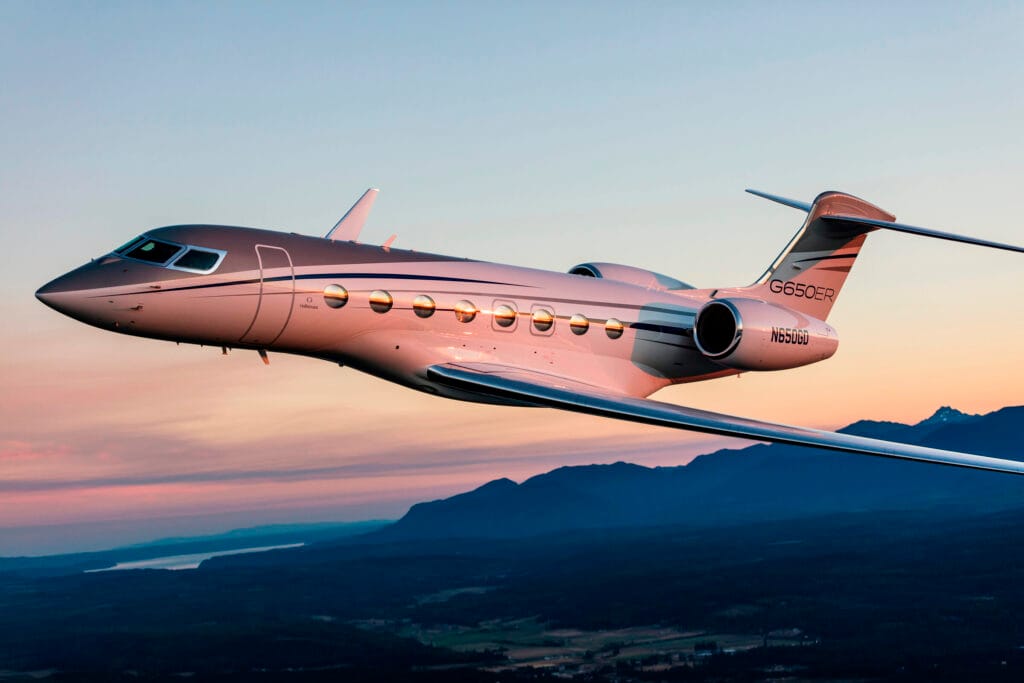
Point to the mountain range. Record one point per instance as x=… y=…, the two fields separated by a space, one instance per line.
x=762 y=482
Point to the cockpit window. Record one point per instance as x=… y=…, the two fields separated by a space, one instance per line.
x=170 y=255
x=154 y=251
x=197 y=259
x=202 y=260
x=128 y=245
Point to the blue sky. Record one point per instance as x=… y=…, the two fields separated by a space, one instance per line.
x=544 y=134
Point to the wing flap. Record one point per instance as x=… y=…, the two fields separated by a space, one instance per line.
x=544 y=390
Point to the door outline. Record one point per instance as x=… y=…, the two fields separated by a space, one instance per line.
x=259 y=303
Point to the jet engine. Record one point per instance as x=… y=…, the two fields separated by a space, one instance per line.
x=748 y=334
x=630 y=274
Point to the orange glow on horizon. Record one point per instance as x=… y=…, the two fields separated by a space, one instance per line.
x=343 y=445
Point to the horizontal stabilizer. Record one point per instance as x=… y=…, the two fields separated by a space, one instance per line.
x=524 y=386
x=927 y=232
x=803 y=206
x=351 y=224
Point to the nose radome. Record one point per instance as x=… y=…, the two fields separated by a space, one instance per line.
x=61 y=293
x=47 y=293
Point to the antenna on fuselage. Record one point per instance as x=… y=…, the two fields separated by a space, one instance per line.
x=351 y=224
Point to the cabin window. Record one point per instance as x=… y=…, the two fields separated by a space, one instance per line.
x=613 y=328
x=465 y=311
x=423 y=306
x=335 y=296
x=154 y=251
x=579 y=324
x=505 y=315
x=198 y=259
x=543 y=319
x=381 y=301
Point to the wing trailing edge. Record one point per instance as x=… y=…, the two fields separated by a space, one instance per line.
x=520 y=385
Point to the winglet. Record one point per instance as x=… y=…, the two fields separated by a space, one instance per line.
x=803 y=206
x=351 y=224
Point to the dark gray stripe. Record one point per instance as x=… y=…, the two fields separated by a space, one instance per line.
x=826 y=258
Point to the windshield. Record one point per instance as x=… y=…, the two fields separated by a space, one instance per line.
x=172 y=255
x=128 y=245
x=153 y=251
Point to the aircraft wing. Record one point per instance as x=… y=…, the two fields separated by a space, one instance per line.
x=547 y=390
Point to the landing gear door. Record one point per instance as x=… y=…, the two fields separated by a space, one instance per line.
x=277 y=295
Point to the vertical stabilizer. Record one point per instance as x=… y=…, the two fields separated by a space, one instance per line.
x=810 y=271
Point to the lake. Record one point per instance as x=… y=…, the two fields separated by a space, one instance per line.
x=175 y=562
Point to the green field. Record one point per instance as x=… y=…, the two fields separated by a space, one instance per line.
x=531 y=643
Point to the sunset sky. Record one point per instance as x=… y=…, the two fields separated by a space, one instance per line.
x=543 y=134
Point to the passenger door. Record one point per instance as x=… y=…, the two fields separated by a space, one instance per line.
x=277 y=295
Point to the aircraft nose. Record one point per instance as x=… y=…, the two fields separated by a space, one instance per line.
x=43 y=294
x=46 y=292
x=50 y=293
x=64 y=294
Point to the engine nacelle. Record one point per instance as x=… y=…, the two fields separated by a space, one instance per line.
x=630 y=274
x=748 y=334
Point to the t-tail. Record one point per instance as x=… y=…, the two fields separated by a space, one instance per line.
x=810 y=272
x=779 y=322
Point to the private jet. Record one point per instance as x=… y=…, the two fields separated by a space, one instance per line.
x=598 y=339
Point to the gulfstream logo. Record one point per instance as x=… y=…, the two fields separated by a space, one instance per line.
x=788 y=335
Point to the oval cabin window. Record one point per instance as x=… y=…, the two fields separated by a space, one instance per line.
x=579 y=324
x=543 y=319
x=504 y=315
x=381 y=301
x=465 y=311
x=613 y=328
x=335 y=296
x=424 y=306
